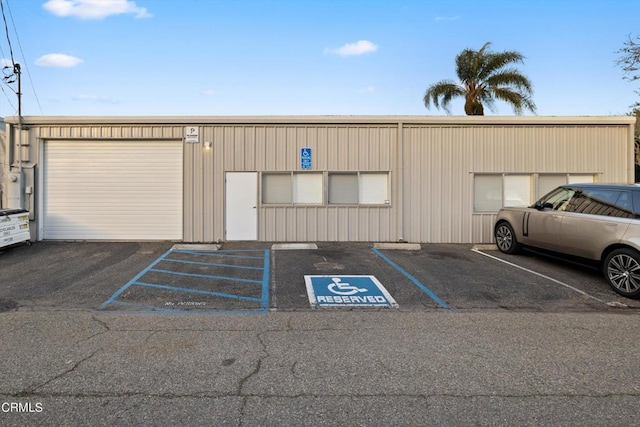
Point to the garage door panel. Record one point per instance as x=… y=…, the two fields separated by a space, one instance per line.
x=113 y=190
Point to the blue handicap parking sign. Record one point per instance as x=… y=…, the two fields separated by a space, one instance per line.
x=305 y=158
x=347 y=291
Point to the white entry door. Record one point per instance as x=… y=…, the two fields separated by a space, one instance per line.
x=241 y=206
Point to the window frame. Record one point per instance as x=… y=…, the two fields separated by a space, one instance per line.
x=325 y=190
x=359 y=188
x=292 y=188
x=502 y=191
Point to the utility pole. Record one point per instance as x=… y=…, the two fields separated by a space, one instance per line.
x=16 y=70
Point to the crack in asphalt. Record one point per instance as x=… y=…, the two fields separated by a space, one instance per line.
x=102 y=323
x=68 y=371
x=256 y=371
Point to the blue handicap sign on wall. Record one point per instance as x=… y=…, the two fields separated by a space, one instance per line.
x=305 y=158
x=347 y=291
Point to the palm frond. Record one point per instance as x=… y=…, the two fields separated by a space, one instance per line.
x=511 y=78
x=441 y=94
x=496 y=61
x=518 y=101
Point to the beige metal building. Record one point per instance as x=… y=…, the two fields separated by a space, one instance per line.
x=297 y=179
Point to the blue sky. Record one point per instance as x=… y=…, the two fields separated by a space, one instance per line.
x=306 y=57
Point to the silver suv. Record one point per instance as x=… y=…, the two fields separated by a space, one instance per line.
x=598 y=222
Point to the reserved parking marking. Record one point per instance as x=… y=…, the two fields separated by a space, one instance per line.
x=347 y=291
x=581 y=292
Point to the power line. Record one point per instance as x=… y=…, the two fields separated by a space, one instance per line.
x=6 y=30
x=8 y=99
x=15 y=30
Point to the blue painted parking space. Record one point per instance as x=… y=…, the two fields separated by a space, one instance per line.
x=413 y=280
x=198 y=281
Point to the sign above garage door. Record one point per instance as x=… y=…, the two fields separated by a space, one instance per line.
x=112 y=190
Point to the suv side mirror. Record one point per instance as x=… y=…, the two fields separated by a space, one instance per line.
x=542 y=205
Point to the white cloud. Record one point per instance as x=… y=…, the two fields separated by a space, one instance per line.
x=94 y=98
x=59 y=60
x=358 y=48
x=209 y=92
x=368 y=89
x=4 y=62
x=95 y=9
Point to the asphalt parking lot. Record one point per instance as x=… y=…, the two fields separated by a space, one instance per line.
x=116 y=333
x=252 y=277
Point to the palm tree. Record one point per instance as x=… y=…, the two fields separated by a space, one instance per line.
x=483 y=79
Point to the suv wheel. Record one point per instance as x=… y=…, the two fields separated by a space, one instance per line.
x=622 y=270
x=506 y=239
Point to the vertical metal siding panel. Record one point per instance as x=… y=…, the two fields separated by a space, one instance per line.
x=321 y=228
x=245 y=138
x=388 y=155
x=189 y=215
x=264 y=220
x=264 y=159
x=219 y=167
x=364 y=149
x=321 y=137
x=236 y=152
x=280 y=149
x=333 y=153
x=411 y=180
x=429 y=165
x=450 y=200
x=194 y=204
x=199 y=186
x=353 y=155
x=208 y=186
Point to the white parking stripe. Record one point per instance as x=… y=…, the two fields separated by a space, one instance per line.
x=610 y=304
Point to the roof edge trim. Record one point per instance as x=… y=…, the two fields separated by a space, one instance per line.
x=389 y=120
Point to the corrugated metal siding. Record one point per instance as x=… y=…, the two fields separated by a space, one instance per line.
x=277 y=149
x=431 y=159
x=440 y=163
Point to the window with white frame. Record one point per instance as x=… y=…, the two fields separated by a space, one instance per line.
x=307 y=188
x=547 y=182
x=363 y=188
x=292 y=188
x=343 y=188
x=492 y=192
x=276 y=188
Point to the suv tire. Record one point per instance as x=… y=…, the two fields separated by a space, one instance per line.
x=622 y=270
x=506 y=238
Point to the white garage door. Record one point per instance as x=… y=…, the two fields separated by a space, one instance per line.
x=112 y=190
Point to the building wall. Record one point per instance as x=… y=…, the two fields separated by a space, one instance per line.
x=276 y=148
x=440 y=163
x=431 y=161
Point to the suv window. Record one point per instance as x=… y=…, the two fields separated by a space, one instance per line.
x=601 y=202
x=558 y=198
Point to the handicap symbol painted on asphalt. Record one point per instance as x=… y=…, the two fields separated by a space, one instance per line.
x=337 y=287
x=347 y=291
